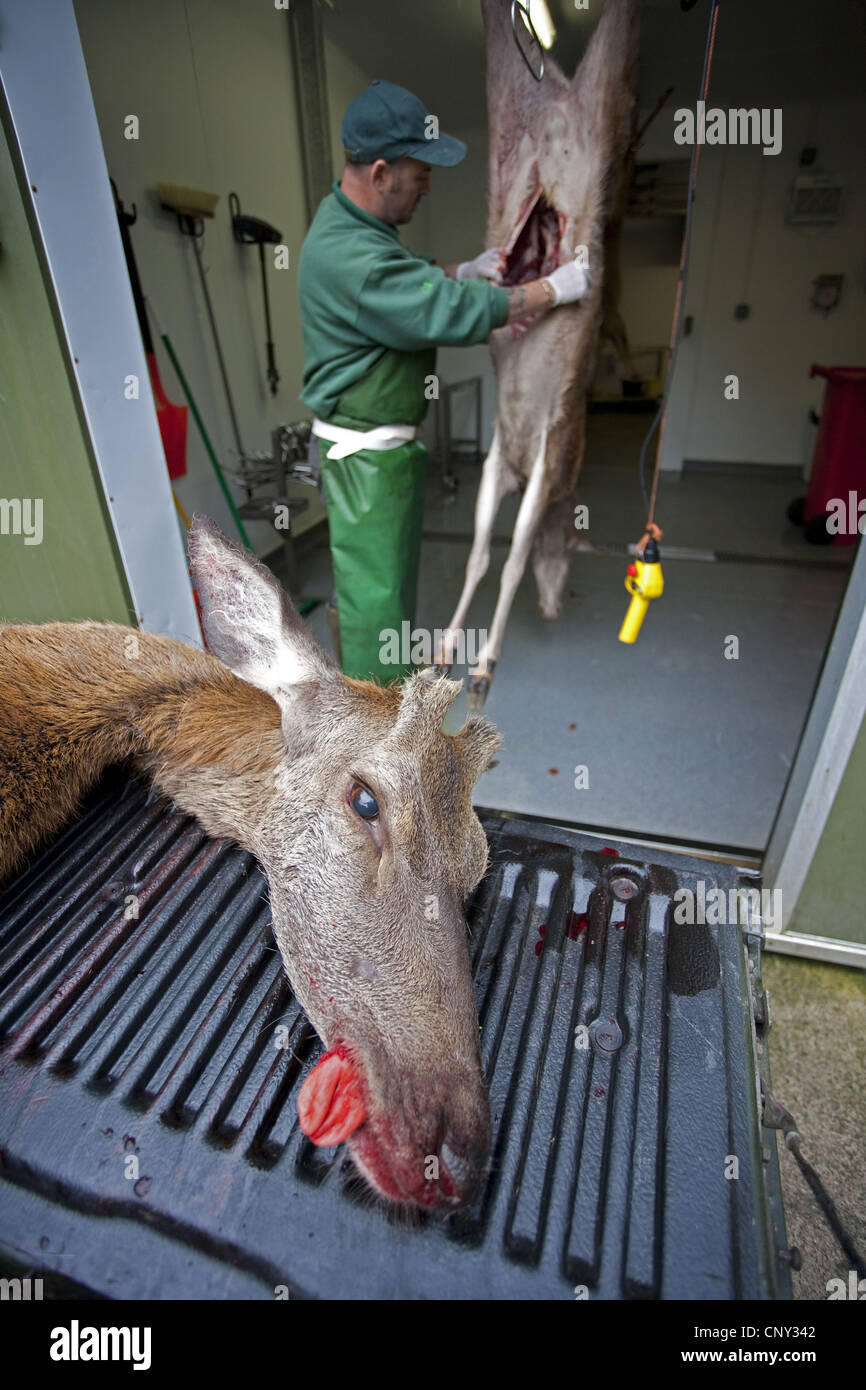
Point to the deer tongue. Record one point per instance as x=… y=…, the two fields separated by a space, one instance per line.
x=331 y=1103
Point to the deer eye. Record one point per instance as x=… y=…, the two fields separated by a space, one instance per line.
x=363 y=801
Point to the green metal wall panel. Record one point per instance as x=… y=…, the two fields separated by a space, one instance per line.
x=74 y=572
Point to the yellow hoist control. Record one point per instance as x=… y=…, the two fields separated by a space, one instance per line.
x=644 y=582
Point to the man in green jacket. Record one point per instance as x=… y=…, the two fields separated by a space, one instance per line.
x=372 y=314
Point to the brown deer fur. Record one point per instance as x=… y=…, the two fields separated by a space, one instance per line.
x=567 y=139
x=266 y=753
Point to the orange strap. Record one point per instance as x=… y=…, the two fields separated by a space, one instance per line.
x=651 y=530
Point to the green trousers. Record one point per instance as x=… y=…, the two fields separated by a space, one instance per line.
x=375 y=509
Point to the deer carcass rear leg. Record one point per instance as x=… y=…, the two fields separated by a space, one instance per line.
x=555 y=542
x=532 y=509
x=491 y=490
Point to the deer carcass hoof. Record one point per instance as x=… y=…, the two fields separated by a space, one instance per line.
x=550 y=611
x=443 y=657
x=477 y=692
x=479 y=687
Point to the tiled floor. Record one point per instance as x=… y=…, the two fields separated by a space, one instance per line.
x=677 y=740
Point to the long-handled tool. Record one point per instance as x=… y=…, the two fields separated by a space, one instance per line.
x=205 y=437
x=171 y=418
x=191 y=206
x=252 y=231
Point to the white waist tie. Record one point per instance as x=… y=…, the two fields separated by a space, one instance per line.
x=346 y=442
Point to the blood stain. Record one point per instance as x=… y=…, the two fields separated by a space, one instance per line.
x=554 y=771
x=572 y=726
x=614 y=853
x=539 y=947
x=542 y=929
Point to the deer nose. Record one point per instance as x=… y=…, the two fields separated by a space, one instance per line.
x=460 y=1176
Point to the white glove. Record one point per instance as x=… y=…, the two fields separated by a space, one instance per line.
x=488 y=266
x=569 y=282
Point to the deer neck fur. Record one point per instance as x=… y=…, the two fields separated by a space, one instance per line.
x=79 y=697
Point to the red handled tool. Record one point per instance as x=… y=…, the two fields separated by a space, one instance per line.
x=171 y=418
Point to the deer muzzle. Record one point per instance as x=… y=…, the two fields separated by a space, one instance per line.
x=429 y=1149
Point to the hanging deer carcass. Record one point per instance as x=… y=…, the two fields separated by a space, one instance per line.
x=556 y=151
x=352 y=798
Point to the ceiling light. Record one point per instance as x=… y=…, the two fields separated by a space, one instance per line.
x=541 y=22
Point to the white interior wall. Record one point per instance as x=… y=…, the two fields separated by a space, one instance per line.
x=346 y=80
x=744 y=250
x=212 y=85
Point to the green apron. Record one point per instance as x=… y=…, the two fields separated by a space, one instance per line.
x=375 y=510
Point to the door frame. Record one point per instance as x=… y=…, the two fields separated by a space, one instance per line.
x=57 y=148
x=829 y=735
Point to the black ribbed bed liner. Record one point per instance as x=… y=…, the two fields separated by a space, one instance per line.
x=140 y=989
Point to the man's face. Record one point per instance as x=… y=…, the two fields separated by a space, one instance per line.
x=402 y=184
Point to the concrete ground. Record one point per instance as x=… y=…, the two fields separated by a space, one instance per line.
x=817 y=1046
x=678 y=741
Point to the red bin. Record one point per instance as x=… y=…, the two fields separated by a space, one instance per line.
x=838 y=474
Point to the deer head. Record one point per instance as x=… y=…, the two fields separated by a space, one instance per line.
x=367 y=835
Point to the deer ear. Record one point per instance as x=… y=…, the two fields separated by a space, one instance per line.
x=249 y=623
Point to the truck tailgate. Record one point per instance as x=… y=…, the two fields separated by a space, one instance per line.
x=151 y=1053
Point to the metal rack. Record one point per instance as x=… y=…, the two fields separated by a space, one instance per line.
x=287 y=462
x=446 y=445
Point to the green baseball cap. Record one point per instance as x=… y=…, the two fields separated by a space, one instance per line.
x=386 y=122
